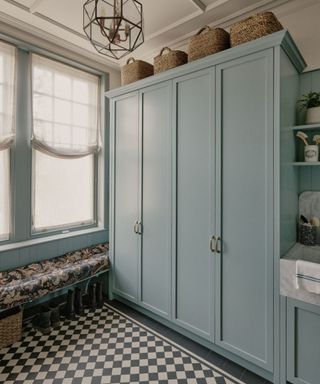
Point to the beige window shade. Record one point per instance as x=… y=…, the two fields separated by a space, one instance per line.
x=4 y=194
x=65 y=109
x=7 y=95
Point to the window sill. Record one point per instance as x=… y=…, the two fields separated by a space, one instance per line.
x=48 y=239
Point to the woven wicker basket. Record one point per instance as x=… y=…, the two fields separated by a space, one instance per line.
x=254 y=27
x=135 y=70
x=208 y=41
x=168 y=60
x=10 y=328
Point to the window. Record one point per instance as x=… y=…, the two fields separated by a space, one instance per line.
x=7 y=133
x=4 y=194
x=65 y=144
x=52 y=159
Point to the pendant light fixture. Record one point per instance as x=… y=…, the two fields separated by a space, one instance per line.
x=113 y=27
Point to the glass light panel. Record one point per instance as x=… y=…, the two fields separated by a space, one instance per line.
x=4 y=194
x=63 y=192
x=43 y=108
x=43 y=80
x=73 y=102
x=62 y=86
x=81 y=115
x=1 y=99
x=81 y=92
x=7 y=97
x=62 y=111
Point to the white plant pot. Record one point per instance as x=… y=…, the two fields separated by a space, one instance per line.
x=311 y=153
x=313 y=115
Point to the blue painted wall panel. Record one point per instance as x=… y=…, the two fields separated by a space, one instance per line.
x=28 y=254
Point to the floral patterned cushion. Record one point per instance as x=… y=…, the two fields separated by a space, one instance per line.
x=32 y=281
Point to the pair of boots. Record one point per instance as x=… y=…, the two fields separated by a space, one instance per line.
x=47 y=318
x=95 y=296
x=74 y=304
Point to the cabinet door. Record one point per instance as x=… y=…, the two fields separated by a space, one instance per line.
x=156 y=199
x=125 y=195
x=303 y=343
x=244 y=273
x=195 y=191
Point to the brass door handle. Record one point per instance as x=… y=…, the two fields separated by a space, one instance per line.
x=139 y=226
x=135 y=227
x=218 y=244
x=212 y=244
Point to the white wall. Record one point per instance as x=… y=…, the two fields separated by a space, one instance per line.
x=303 y=22
x=56 y=45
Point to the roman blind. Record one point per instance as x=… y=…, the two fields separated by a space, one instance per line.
x=65 y=109
x=7 y=95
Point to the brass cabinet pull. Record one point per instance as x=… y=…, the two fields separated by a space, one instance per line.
x=218 y=244
x=139 y=226
x=212 y=244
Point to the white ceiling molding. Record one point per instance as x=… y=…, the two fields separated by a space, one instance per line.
x=35 y=5
x=200 y=4
x=40 y=18
x=145 y=53
x=20 y=30
x=174 y=25
x=216 y=4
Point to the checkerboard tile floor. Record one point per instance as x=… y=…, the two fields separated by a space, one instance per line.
x=104 y=347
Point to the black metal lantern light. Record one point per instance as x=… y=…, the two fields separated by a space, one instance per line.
x=113 y=27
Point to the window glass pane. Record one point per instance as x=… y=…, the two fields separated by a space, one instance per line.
x=42 y=108
x=62 y=86
x=62 y=111
x=74 y=103
x=1 y=98
x=7 y=93
x=63 y=191
x=4 y=194
x=81 y=92
x=81 y=115
x=43 y=80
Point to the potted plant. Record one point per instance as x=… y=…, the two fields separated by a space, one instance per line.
x=311 y=102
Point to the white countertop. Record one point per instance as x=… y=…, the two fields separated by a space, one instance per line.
x=288 y=284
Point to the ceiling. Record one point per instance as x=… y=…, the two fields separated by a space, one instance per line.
x=166 y=22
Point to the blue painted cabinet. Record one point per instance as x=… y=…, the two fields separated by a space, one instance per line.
x=244 y=147
x=200 y=165
x=195 y=191
x=156 y=168
x=303 y=343
x=125 y=193
x=141 y=194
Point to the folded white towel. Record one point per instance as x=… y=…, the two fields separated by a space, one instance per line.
x=308 y=276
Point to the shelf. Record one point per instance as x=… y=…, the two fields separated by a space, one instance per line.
x=305 y=164
x=309 y=127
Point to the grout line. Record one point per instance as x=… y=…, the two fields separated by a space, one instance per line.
x=176 y=345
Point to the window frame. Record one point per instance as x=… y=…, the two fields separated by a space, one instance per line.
x=21 y=158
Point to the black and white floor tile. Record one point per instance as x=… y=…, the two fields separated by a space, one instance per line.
x=106 y=346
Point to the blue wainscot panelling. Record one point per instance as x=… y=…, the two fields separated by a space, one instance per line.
x=28 y=252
